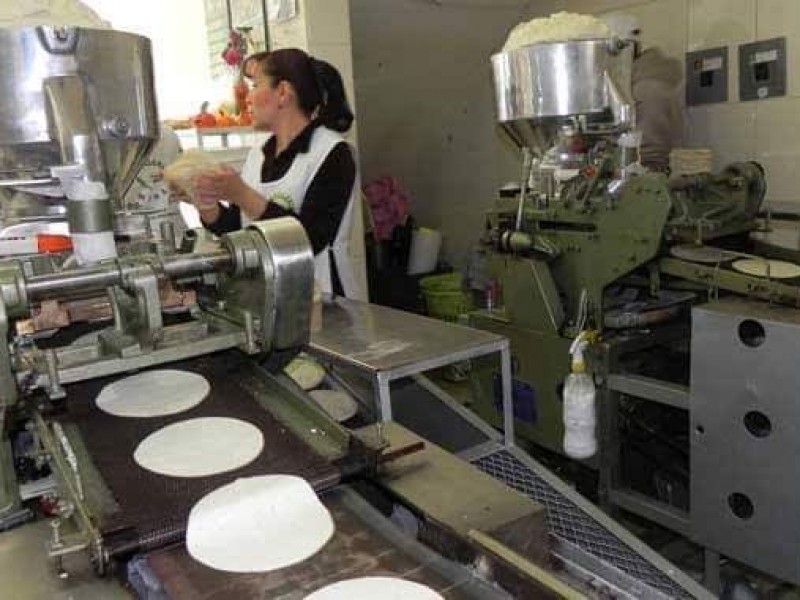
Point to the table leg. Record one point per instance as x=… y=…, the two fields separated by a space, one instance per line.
x=383 y=402
x=508 y=402
x=383 y=398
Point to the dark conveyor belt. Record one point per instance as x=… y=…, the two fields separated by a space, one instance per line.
x=153 y=509
x=365 y=544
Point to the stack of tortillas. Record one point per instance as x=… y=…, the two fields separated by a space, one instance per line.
x=690 y=161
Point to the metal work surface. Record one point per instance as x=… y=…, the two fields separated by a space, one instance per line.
x=365 y=544
x=388 y=344
x=570 y=523
x=744 y=440
x=375 y=338
x=154 y=506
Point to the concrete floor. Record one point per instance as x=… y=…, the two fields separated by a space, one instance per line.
x=27 y=574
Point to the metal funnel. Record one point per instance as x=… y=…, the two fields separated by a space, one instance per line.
x=59 y=82
x=538 y=86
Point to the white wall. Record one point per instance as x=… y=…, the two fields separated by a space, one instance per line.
x=766 y=131
x=425 y=105
x=322 y=28
x=177 y=30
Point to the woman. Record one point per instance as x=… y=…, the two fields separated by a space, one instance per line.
x=303 y=169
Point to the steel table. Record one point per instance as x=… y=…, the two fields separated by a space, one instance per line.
x=388 y=344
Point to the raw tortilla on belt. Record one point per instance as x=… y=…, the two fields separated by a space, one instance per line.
x=200 y=447
x=153 y=394
x=258 y=524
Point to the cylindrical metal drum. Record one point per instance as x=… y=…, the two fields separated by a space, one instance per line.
x=539 y=83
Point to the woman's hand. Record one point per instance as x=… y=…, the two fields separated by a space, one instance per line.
x=207 y=207
x=222 y=184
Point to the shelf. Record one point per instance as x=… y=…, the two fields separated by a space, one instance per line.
x=204 y=131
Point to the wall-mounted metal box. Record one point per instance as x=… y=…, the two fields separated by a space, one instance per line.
x=707 y=76
x=762 y=69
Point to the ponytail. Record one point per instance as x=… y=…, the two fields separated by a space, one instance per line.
x=334 y=110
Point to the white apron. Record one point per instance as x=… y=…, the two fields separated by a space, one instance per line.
x=290 y=191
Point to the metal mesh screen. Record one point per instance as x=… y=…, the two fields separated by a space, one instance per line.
x=567 y=521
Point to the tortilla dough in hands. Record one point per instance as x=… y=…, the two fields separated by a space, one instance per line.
x=183 y=173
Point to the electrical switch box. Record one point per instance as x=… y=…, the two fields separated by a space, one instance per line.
x=707 y=76
x=762 y=69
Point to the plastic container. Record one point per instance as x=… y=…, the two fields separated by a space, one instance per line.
x=445 y=297
x=580 y=439
x=424 y=255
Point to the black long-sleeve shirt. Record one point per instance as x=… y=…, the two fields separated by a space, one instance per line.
x=325 y=201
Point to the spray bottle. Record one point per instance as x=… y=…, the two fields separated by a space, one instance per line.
x=580 y=441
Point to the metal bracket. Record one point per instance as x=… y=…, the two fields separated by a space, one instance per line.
x=137 y=306
x=55 y=390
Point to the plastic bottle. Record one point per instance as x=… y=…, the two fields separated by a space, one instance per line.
x=580 y=440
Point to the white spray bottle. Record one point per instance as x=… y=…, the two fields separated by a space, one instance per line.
x=580 y=440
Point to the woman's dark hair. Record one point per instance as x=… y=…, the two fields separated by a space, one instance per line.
x=318 y=84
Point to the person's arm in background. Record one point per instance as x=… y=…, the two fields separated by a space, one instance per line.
x=326 y=199
x=656 y=86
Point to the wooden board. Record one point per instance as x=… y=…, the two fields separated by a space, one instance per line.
x=460 y=498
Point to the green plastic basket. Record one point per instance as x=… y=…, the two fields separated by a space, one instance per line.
x=445 y=297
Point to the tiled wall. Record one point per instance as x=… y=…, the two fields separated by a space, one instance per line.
x=767 y=131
